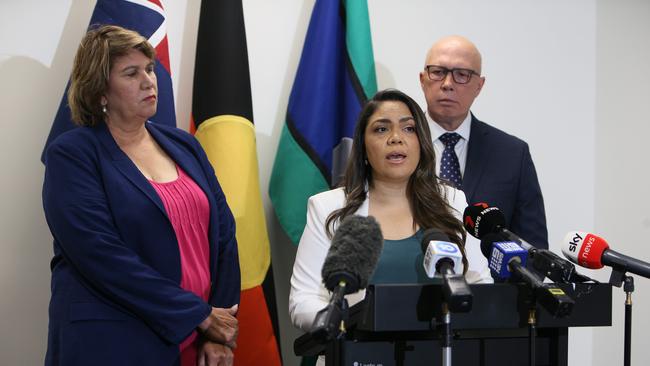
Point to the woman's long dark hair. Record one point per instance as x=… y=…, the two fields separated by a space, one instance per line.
x=424 y=190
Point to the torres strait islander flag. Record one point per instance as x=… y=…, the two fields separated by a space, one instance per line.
x=148 y=19
x=335 y=77
x=222 y=118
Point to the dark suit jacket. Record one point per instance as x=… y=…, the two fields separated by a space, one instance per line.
x=116 y=298
x=500 y=172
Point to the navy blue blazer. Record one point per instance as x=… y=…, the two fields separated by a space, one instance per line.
x=500 y=172
x=116 y=296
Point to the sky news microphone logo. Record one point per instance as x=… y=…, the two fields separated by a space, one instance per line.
x=585 y=249
x=574 y=242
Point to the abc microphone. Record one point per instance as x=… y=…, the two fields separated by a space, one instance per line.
x=591 y=251
x=481 y=219
x=349 y=264
x=506 y=258
x=443 y=258
x=440 y=255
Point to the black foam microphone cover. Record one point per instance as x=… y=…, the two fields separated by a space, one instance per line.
x=488 y=240
x=480 y=220
x=353 y=254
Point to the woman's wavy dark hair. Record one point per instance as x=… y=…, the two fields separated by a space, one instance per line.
x=424 y=190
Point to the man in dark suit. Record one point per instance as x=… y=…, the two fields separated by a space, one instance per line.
x=486 y=163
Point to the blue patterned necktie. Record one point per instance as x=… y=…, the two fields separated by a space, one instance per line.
x=449 y=166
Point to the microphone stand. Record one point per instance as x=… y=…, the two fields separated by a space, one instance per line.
x=446 y=335
x=329 y=323
x=532 y=331
x=339 y=344
x=457 y=297
x=552 y=299
x=618 y=278
x=628 y=287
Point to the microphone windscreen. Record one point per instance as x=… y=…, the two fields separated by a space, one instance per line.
x=432 y=235
x=487 y=242
x=480 y=219
x=584 y=249
x=353 y=254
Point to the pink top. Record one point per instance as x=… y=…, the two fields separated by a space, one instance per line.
x=189 y=212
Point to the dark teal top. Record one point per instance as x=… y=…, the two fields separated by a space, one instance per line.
x=401 y=262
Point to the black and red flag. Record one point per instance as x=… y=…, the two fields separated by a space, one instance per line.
x=222 y=118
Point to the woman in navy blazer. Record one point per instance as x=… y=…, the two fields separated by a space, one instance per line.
x=116 y=272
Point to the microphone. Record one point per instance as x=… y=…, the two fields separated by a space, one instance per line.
x=481 y=219
x=350 y=261
x=444 y=259
x=591 y=251
x=506 y=258
x=503 y=256
x=440 y=254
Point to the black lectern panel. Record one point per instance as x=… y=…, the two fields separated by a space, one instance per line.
x=465 y=352
x=396 y=325
x=496 y=306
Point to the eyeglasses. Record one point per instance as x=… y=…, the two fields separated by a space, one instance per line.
x=460 y=76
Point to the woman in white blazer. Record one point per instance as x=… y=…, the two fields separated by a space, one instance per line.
x=391 y=176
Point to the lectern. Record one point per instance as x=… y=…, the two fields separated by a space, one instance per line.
x=396 y=325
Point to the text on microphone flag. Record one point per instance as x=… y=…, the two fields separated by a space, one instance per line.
x=447 y=247
x=509 y=247
x=496 y=260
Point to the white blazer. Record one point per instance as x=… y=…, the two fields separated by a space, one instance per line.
x=308 y=295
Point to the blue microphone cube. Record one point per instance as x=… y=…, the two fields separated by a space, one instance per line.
x=502 y=253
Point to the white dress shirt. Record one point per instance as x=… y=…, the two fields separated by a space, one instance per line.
x=461 y=146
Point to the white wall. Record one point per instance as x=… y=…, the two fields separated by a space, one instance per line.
x=622 y=174
x=568 y=77
x=35 y=57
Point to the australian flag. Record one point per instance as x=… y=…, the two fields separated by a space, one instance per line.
x=146 y=17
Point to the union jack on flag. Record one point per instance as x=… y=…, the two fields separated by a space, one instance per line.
x=148 y=19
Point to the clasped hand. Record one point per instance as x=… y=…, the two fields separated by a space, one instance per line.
x=221 y=326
